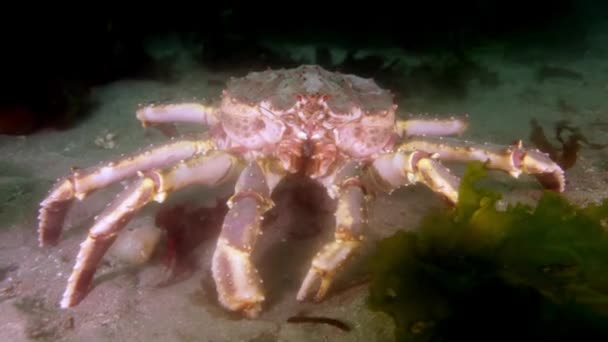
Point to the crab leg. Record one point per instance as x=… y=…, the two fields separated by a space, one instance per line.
x=393 y=170
x=55 y=206
x=210 y=169
x=387 y=173
x=238 y=283
x=514 y=159
x=436 y=126
x=351 y=217
x=182 y=112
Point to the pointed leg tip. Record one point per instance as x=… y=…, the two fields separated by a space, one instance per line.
x=72 y=297
x=239 y=287
x=552 y=181
x=253 y=311
x=547 y=172
x=66 y=302
x=308 y=284
x=315 y=286
x=52 y=213
x=302 y=295
x=249 y=307
x=48 y=234
x=320 y=296
x=43 y=243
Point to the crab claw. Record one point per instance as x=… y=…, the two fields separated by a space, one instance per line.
x=324 y=267
x=239 y=284
x=351 y=218
x=513 y=159
x=548 y=173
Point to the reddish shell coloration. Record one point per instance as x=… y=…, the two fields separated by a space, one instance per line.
x=311 y=113
x=339 y=130
x=281 y=88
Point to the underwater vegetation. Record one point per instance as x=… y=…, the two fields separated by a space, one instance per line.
x=483 y=270
x=566 y=154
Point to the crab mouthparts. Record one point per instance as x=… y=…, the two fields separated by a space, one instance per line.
x=307 y=149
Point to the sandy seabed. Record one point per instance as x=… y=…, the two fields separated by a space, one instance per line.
x=125 y=303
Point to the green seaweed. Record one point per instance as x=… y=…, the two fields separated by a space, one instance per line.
x=478 y=272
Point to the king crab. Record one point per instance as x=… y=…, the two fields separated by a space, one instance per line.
x=338 y=129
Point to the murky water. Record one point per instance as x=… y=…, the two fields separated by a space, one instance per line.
x=502 y=86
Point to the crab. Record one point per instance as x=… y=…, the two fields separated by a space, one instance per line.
x=339 y=129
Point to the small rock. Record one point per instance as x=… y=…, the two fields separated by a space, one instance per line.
x=136 y=245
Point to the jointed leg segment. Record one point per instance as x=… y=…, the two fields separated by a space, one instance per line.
x=417 y=161
x=101 y=236
x=208 y=169
x=393 y=170
x=514 y=159
x=182 y=112
x=387 y=173
x=82 y=182
x=431 y=127
x=238 y=284
x=351 y=218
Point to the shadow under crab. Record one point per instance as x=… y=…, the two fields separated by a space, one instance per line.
x=339 y=130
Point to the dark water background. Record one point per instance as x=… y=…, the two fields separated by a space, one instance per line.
x=51 y=59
